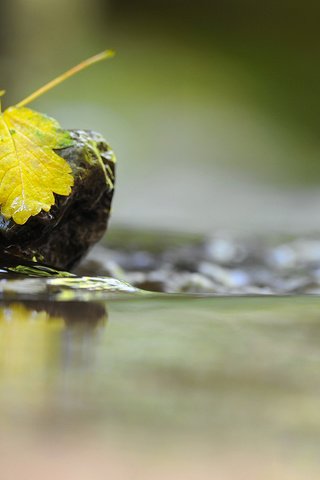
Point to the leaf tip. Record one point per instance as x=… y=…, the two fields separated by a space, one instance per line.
x=110 y=53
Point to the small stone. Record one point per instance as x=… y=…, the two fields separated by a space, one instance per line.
x=140 y=260
x=224 y=251
x=100 y=261
x=307 y=251
x=282 y=257
x=232 y=278
x=155 y=281
x=191 y=283
x=295 y=285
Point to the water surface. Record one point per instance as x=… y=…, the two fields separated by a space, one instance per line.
x=221 y=377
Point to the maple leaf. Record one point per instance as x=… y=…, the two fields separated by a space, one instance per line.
x=31 y=171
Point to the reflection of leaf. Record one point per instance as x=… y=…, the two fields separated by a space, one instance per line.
x=30 y=171
x=17 y=313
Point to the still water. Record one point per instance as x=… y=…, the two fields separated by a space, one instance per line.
x=130 y=385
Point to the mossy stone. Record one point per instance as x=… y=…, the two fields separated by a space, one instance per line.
x=61 y=237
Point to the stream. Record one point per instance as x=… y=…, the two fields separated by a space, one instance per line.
x=145 y=384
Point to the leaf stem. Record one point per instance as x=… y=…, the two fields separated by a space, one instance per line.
x=69 y=73
x=2 y=92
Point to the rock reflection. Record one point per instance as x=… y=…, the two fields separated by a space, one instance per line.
x=45 y=348
x=88 y=315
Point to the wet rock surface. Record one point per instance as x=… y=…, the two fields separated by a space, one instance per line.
x=59 y=238
x=221 y=264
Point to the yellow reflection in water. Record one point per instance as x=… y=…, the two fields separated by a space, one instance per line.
x=38 y=343
x=24 y=337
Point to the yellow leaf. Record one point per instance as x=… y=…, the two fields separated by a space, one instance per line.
x=30 y=171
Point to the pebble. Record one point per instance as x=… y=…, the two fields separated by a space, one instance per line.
x=224 y=251
x=230 y=278
x=220 y=264
x=191 y=283
x=282 y=258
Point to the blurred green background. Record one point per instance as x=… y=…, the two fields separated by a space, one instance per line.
x=212 y=107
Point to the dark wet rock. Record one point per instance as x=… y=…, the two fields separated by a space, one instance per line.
x=62 y=236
